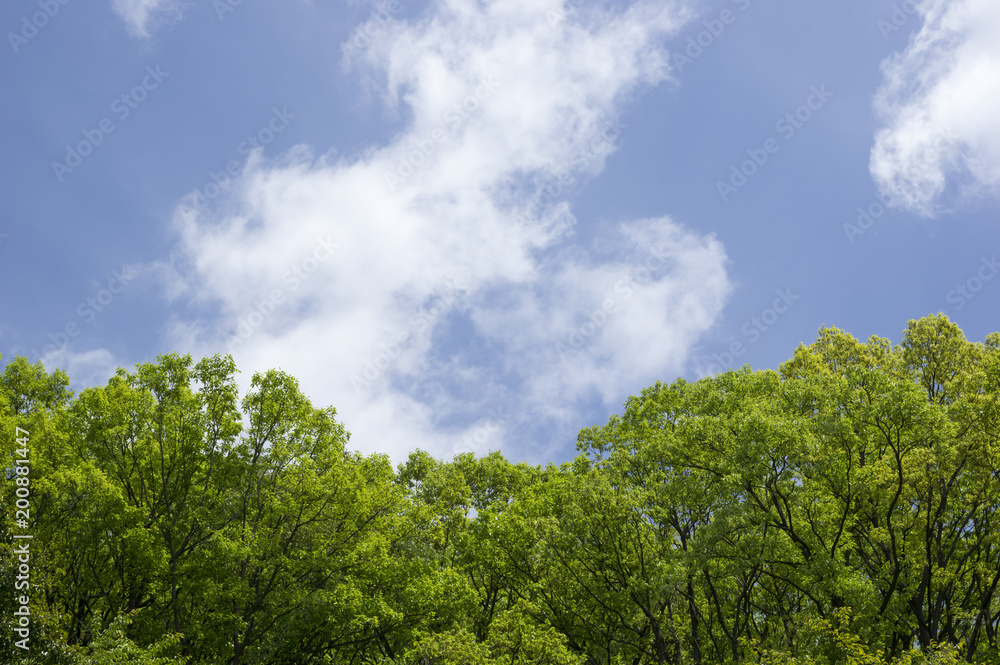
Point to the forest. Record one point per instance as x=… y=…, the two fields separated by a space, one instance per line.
x=838 y=510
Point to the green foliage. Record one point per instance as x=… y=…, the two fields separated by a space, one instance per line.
x=113 y=647
x=842 y=510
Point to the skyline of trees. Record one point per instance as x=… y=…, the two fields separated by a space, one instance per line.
x=841 y=509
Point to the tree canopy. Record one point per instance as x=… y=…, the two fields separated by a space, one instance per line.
x=838 y=510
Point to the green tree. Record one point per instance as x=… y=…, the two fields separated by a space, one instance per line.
x=840 y=510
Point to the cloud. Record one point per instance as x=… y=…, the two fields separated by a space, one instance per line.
x=142 y=16
x=87 y=368
x=603 y=328
x=939 y=101
x=430 y=288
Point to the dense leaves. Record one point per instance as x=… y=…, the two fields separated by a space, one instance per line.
x=840 y=510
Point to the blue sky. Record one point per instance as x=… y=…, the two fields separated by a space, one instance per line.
x=475 y=225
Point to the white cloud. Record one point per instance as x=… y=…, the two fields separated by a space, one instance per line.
x=939 y=101
x=87 y=368
x=142 y=16
x=435 y=320
x=606 y=329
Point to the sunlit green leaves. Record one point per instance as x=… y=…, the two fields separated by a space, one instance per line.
x=841 y=510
